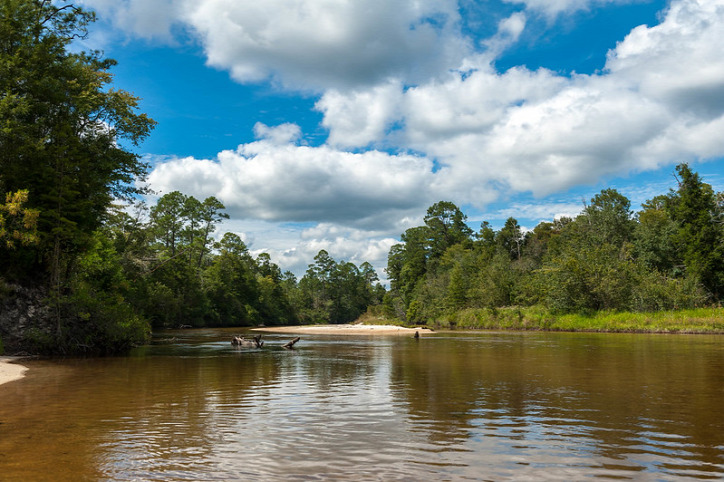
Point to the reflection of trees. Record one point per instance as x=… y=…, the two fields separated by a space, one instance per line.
x=435 y=382
x=616 y=392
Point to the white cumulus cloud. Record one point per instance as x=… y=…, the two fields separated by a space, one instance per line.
x=329 y=43
x=276 y=179
x=302 y=44
x=360 y=118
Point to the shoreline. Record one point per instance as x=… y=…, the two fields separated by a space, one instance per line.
x=10 y=371
x=344 y=329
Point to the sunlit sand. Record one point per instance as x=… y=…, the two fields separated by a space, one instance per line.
x=346 y=329
x=10 y=371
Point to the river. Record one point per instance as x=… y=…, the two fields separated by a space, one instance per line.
x=449 y=406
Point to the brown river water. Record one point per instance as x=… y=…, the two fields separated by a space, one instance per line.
x=449 y=406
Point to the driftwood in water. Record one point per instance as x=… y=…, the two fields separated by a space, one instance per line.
x=290 y=345
x=243 y=342
x=257 y=343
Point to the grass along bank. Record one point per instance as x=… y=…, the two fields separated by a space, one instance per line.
x=699 y=320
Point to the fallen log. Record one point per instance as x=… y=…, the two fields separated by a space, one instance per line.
x=289 y=345
x=243 y=342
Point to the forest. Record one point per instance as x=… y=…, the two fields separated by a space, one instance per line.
x=667 y=256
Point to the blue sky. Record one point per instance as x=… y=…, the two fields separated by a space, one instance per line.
x=334 y=124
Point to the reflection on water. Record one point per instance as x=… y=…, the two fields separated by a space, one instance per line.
x=449 y=406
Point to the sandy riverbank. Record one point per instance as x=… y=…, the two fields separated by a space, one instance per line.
x=10 y=371
x=345 y=330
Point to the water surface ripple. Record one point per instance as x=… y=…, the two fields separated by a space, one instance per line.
x=482 y=406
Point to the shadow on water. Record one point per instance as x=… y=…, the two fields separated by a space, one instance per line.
x=535 y=405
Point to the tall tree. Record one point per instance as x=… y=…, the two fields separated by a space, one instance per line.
x=485 y=239
x=510 y=238
x=446 y=224
x=210 y=214
x=62 y=127
x=699 y=237
x=654 y=235
x=230 y=284
x=609 y=217
x=168 y=221
x=414 y=260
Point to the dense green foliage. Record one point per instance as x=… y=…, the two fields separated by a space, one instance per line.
x=61 y=164
x=60 y=128
x=668 y=256
x=332 y=292
x=175 y=273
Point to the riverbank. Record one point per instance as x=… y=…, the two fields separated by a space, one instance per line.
x=693 y=321
x=10 y=371
x=345 y=329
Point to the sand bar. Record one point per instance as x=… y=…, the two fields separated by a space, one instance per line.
x=346 y=329
x=10 y=371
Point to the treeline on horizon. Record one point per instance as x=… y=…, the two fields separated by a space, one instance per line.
x=78 y=274
x=173 y=272
x=667 y=256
